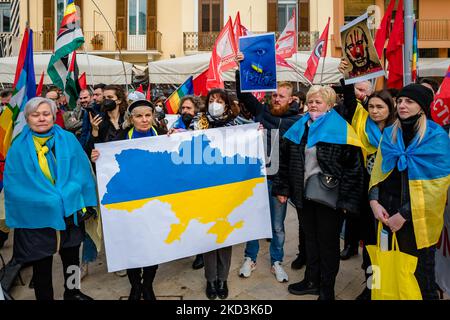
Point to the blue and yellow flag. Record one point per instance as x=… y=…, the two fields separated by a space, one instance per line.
x=428 y=164
x=329 y=128
x=367 y=131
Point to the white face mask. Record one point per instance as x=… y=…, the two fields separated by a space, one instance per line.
x=216 y=109
x=158 y=109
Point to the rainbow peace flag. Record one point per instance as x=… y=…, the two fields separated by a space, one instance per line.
x=428 y=164
x=12 y=119
x=173 y=102
x=329 y=128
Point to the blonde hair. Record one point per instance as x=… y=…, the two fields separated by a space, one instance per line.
x=420 y=127
x=128 y=119
x=325 y=92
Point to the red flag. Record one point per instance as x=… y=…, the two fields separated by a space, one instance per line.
x=440 y=108
x=22 y=53
x=200 y=84
x=140 y=89
x=287 y=43
x=40 y=85
x=82 y=81
x=148 y=95
x=320 y=50
x=383 y=31
x=222 y=58
x=394 y=50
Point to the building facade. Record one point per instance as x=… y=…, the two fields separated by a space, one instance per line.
x=146 y=30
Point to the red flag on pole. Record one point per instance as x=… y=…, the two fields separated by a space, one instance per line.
x=320 y=50
x=238 y=29
x=394 y=50
x=40 y=85
x=440 y=108
x=200 y=84
x=222 y=58
x=287 y=43
x=383 y=31
x=148 y=95
x=82 y=81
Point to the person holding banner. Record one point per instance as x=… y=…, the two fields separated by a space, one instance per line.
x=139 y=123
x=320 y=171
x=409 y=182
x=50 y=192
x=222 y=112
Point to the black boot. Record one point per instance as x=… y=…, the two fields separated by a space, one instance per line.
x=75 y=295
x=222 y=289
x=198 y=262
x=135 y=292
x=148 y=293
x=299 y=262
x=211 y=292
x=304 y=287
x=348 y=252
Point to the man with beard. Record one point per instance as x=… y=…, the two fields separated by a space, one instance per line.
x=276 y=119
x=74 y=119
x=357 y=51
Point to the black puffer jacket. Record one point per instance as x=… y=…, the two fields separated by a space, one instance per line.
x=342 y=161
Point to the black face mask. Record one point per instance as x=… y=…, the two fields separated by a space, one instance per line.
x=109 y=105
x=187 y=119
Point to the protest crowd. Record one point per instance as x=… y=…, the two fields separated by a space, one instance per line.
x=346 y=154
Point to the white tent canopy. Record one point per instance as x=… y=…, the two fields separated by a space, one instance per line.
x=98 y=69
x=433 y=67
x=174 y=71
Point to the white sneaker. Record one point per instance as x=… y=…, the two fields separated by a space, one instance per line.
x=121 y=273
x=279 y=272
x=247 y=267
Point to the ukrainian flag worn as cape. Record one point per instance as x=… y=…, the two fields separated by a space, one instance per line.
x=367 y=130
x=329 y=128
x=428 y=164
x=31 y=200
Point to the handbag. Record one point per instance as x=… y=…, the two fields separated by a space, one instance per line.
x=393 y=272
x=323 y=189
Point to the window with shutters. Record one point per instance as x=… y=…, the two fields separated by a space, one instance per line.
x=280 y=11
x=5 y=17
x=210 y=22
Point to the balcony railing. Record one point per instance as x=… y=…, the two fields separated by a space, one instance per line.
x=204 y=41
x=103 y=41
x=433 y=30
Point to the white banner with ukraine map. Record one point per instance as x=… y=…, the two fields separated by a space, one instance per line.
x=165 y=198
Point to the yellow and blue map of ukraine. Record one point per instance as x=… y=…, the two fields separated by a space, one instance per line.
x=208 y=193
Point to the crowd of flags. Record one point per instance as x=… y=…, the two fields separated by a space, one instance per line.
x=63 y=69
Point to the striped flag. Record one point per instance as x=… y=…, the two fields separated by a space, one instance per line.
x=415 y=55
x=173 y=102
x=72 y=88
x=12 y=119
x=70 y=38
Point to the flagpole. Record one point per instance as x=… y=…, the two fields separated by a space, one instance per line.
x=323 y=67
x=296 y=40
x=117 y=43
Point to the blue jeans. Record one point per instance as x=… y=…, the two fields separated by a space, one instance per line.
x=277 y=216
